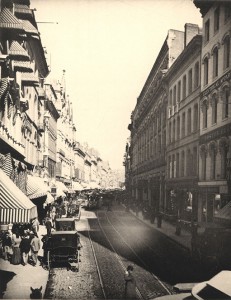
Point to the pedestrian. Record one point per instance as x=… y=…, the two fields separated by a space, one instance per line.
x=7 y=246
x=48 y=226
x=35 y=225
x=25 y=248
x=130 y=284
x=35 y=246
x=16 y=240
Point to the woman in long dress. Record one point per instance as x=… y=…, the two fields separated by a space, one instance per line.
x=130 y=284
x=16 y=240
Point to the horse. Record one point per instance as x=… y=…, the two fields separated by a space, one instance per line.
x=36 y=293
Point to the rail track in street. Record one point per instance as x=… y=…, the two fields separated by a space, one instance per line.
x=148 y=284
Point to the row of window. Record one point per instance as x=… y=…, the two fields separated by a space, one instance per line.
x=225 y=95
x=183 y=163
x=211 y=167
x=216 y=60
x=180 y=91
x=184 y=124
x=216 y=23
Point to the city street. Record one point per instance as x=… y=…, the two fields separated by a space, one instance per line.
x=111 y=241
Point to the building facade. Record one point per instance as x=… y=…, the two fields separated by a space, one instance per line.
x=148 y=129
x=183 y=129
x=215 y=111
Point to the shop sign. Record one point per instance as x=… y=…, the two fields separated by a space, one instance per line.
x=216 y=84
x=215 y=134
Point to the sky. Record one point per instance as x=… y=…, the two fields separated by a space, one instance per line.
x=107 y=49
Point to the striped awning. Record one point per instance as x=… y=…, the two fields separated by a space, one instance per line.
x=76 y=186
x=17 y=50
x=9 y=21
x=28 y=27
x=4 y=84
x=15 y=206
x=36 y=187
x=61 y=186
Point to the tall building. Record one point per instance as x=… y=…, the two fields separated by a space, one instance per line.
x=23 y=68
x=183 y=129
x=215 y=112
x=148 y=128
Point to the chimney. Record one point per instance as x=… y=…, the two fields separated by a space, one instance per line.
x=190 y=30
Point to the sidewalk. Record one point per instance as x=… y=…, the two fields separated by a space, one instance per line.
x=19 y=278
x=184 y=239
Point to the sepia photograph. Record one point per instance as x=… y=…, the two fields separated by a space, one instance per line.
x=115 y=149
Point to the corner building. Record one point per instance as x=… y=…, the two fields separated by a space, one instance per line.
x=215 y=113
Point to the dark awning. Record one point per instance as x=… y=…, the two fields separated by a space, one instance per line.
x=15 y=206
x=22 y=66
x=29 y=78
x=22 y=9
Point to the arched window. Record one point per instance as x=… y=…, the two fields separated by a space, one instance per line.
x=190 y=81
x=206 y=70
x=184 y=87
x=203 y=154
x=215 y=62
x=178 y=128
x=189 y=121
x=179 y=91
x=183 y=125
x=225 y=98
x=227 y=52
x=174 y=95
x=205 y=114
x=194 y=162
x=173 y=130
x=214 y=109
x=213 y=155
x=196 y=75
x=170 y=132
x=195 y=118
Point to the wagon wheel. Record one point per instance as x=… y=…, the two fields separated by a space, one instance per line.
x=48 y=260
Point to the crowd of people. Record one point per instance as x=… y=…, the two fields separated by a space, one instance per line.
x=23 y=245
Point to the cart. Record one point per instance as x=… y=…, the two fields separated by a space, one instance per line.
x=65 y=224
x=63 y=247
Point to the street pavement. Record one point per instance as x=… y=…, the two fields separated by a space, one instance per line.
x=24 y=277
x=184 y=239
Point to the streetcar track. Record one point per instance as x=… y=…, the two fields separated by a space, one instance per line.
x=118 y=257
x=139 y=258
x=96 y=263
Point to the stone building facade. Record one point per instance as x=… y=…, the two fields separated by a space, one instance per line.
x=183 y=128
x=215 y=111
x=147 y=156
